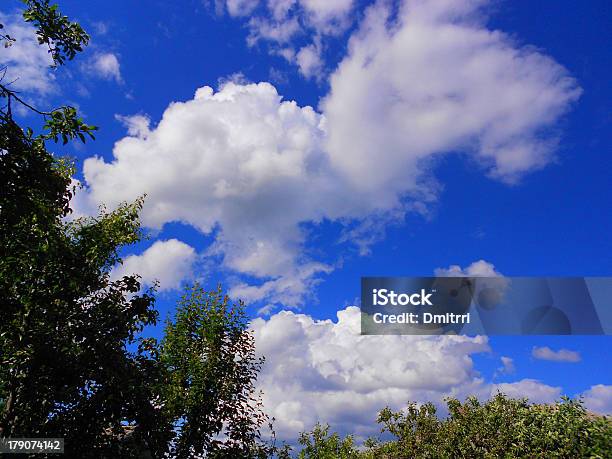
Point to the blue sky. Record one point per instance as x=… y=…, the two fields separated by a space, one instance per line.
x=440 y=134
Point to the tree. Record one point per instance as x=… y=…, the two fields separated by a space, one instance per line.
x=208 y=354
x=65 y=328
x=73 y=363
x=500 y=427
x=320 y=444
x=64 y=40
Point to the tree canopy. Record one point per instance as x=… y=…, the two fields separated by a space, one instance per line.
x=500 y=427
x=65 y=328
x=74 y=362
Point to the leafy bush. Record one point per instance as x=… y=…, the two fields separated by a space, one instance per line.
x=500 y=427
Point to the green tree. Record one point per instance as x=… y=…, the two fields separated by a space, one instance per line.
x=68 y=334
x=73 y=363
x=500 y=427
x=208 y=354
x=320 y=444
x=64 y=39
x=65 y=328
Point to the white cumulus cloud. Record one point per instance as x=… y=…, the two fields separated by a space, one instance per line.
x=480 y=268
x=323 y=370
x=507 y=367
x=137 y=125
x=599 y=399
x=319 y=17
x=535 y=391
x=328 y=16
x=168 y=262
x=27 y=64
x=239 y=8
x=252 y=169
x=281 y=21
x=105 y=66
x=562 y=355
x=239 y=162
x=437 y=81
x=309 y=61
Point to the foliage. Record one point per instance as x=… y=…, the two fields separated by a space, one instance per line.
x=499 y=427
x=72 y=362
x=65 y=328
x=63 y=38
x=64 y=123
x=319 y=444
x=209 y=393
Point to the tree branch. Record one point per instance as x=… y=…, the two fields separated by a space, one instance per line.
x=14 y=95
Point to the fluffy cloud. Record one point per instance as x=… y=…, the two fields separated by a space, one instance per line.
x=328 y=16
x=252 y=169
x=168 y=262
x=137 y=125
x=508 y=364
x=239 y=162
x=599 y=399
x=562 y=355
x=309 y=61
x=507 y=367
x=532 y=389
x=321 y=17
x=479 y=268
x=436 y=81
x=278 y=32
x=319 y=370
x=105 y=66
x=289 y=289
x=27 y=63
x=280 y=21
x=237 y=8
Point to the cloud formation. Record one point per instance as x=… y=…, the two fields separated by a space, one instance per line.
x=28 y=65
x=562 y=355
x=168 y=262
x=309 y=61
x=319 y=370
x=239 y=8
x=105 y=66
x=277 y=23
x=507 y=367
x=325 y=370
x=599 y=399
x=259 y=173
x=534 y=390
x=240 y=163
x=480 y=268
x=435 y=81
